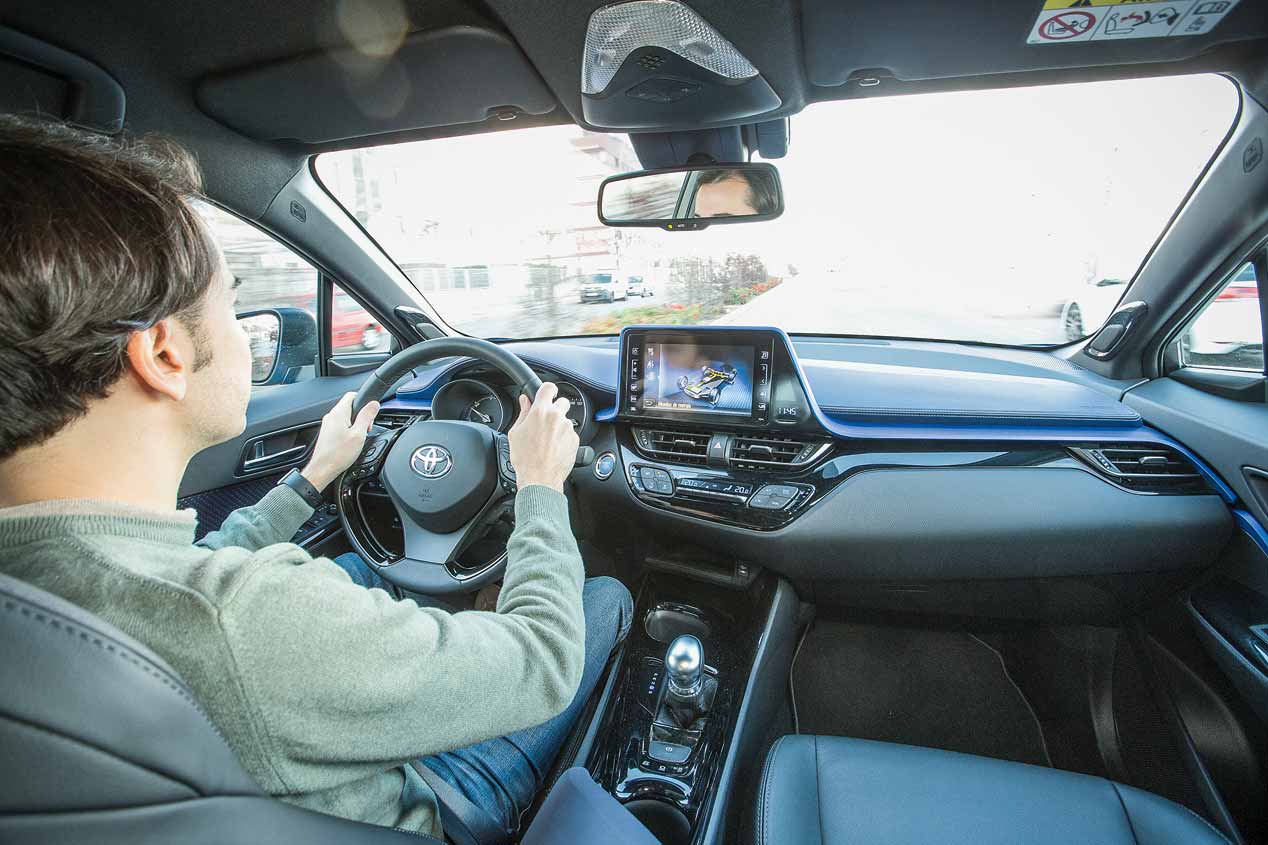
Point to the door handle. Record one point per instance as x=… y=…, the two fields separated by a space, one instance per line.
x=259 y=460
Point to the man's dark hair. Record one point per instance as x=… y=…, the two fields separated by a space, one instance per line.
x=761 y=190
x=97 y=241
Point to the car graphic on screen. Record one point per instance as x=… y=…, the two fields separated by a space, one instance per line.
x=713 y=379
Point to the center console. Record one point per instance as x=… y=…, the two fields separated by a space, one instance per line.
x=715 y=423
x=720 y=424
x=667 y=741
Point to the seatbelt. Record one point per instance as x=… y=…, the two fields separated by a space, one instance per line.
x=463 y=821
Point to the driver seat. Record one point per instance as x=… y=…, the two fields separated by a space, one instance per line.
x=101 y=741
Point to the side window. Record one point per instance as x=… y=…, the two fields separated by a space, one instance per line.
x=1229 y=331
x=270 y=276
x=352 y=328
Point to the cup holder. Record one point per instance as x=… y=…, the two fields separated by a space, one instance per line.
x=667 y=823
x=666 y=621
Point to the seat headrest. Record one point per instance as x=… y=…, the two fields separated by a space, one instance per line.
x=89 y=716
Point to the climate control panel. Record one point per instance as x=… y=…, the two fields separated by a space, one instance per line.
x=733 y=497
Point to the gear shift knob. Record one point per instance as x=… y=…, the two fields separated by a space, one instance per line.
x=684 y=665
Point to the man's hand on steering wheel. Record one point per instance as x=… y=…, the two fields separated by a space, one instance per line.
x=543 y=440
x=339 y=442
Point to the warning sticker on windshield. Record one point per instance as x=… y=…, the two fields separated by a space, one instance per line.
x=1068 y=21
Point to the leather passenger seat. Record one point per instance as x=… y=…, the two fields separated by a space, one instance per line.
x=838 y=791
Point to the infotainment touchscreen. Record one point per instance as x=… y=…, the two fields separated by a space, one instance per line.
x=688 y=374
x=698 y=378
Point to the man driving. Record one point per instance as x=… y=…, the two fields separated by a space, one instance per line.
x=121 y=359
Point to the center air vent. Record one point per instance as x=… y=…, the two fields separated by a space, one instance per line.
x=684 y=447
x=761 y=452
x=1152 y=469
x=395 y=419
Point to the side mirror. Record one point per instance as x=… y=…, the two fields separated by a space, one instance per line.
x=692 y=198
x=283 y=343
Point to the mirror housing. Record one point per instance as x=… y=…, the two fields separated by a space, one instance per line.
x=692 y=198
x=283 y=343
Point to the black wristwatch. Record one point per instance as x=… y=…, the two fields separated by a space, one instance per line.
x=300 y=485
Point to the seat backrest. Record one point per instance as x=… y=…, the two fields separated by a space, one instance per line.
x=101 y=741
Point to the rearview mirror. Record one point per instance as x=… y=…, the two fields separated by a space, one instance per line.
x=691 y=198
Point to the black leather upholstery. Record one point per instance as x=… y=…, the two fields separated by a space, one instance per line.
x=101 y=741
x=838 y=791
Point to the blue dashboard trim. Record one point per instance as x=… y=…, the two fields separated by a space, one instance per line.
x=1247 y=522
x=418 y=394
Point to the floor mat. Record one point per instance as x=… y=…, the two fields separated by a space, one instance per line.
x=941 y=689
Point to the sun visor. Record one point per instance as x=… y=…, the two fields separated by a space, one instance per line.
x=910 y=40
x=441 y=77
x=40 y=79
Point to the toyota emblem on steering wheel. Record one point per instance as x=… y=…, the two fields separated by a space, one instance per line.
x=431 y=461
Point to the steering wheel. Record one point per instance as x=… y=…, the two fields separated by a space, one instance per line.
x=449 y=481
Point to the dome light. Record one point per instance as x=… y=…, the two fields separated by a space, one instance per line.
x=618 y=30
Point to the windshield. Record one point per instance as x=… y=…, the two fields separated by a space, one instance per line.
x=1012 y=216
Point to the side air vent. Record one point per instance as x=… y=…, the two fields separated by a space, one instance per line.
x=761 y=452
x=395 y=419
x=684 y=447
x=1151 y=469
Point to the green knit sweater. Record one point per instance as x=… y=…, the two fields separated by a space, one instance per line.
x=323 y=688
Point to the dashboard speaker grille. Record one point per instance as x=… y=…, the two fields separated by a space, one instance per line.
x=684 y=447
x=1152 y=469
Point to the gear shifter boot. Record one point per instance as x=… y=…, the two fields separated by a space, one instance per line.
x=686 y=710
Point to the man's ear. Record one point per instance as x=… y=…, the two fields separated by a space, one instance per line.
x=158 y=361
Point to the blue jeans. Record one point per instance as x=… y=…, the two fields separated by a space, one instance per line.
x=504 y=775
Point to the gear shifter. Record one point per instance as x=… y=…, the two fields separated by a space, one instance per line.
x=688 y=690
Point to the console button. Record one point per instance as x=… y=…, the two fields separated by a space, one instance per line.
x=774 y=497
x=669 y=752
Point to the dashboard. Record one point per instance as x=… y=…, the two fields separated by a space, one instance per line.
x=903 y=472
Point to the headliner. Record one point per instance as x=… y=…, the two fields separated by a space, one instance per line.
x=159 y=51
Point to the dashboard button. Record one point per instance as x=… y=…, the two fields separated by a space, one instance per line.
x=774 y=497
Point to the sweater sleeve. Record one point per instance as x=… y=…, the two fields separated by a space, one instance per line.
x=274 y=519
x=347 y=681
